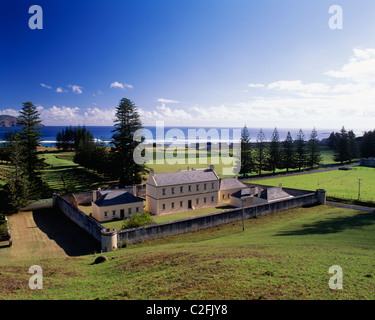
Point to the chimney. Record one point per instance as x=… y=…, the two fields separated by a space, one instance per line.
x=212 y=167
x=187 y=168
x=152 y=172
x=135 y=190
x=236 y=176
x=95 y=195
x=281 y=186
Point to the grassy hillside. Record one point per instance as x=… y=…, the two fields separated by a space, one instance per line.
x=338 y=183
x=282 y=256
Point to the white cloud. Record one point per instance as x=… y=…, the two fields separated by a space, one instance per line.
x=256 y=85
x=117 y=84
x=76 y=89
x=297 y=85
x=59 y=90
x=360 y=68
x=167 y=100
x=45 y=86
x=9 y=112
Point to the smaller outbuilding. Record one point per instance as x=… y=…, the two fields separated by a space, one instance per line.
x=270 y=194
x=115 y=204
x=229 y=186
x=242 y=197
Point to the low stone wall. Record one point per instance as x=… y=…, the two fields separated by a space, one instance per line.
x=160 y=230
x=367 y=162
x=87 y=223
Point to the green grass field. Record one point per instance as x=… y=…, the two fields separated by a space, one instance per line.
x=286 y=255
x=61 y=166
x=337 y=183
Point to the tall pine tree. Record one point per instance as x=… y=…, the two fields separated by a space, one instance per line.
x=301 y=153
x=274 y=152
x=288 y=153
x=123 y=166
x=247 y=161
x=29 y=119
x=313 y=146
x=261 y=154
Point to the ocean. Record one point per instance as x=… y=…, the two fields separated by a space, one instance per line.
x=176 y=135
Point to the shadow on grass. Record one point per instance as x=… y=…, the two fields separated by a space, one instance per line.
x=333 y=225
x=67 y=235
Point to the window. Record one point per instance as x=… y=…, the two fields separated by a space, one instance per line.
x=205 y=200
x=114 y=212
x=212 y=199
x=181 y=189
x=197 y=201
x=106 y=213
x=212 y=185
x=181 y=204
x=129 y=211
x=172 y=190
x=205 y=186
x=163 y=206
x=163 y=191
x=228 y=196
x=223 y=196
x=136 y=210
x=197 y=187
x=189 y=188
x=172 y=205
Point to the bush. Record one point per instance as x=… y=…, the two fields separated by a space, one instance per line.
x=137 y=220
x=3 y=230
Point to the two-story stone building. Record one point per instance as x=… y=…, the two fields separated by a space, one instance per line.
x=181 y=190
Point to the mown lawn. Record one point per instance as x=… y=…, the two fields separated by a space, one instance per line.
x=167 y=217
x=337 y=183
x=61 y=169
x=286 y=255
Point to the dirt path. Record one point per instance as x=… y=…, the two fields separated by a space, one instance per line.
x=45 y=233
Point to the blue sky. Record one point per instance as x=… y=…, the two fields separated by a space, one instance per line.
x=192 y=63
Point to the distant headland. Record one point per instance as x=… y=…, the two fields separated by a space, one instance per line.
x=8 y=121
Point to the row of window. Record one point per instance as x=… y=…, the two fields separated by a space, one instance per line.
x=122 y=212
x=197 y=187
x=189 y=203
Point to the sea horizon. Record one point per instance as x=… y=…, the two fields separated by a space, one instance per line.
x=225 y=134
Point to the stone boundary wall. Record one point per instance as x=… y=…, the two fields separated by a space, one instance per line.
x=90 y=225
x=135 y=235
x=367 y=162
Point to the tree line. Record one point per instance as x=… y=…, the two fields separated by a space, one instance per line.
x=23 y=181
x=115 y=161
x=22 y=175
x=274 y=154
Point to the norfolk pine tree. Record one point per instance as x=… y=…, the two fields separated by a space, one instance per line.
x=301 y=154
x=261 y=152
x=274 y=152
x=288 y=153
x=247 y=161
x=313 y=147
x=123 y=165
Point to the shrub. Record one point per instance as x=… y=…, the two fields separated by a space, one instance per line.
x=137 y=220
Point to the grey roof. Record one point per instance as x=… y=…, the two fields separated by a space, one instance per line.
x=116 y=198
x=243 y=193
x=184 y=177
x=231 y=183
x=274 y=193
